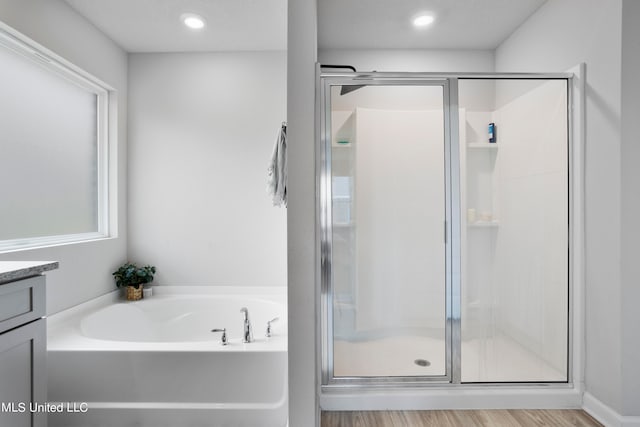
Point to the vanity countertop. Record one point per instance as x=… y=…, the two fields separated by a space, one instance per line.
x=15 y=270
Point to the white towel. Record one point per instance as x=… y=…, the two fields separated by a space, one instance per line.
x=277 y=170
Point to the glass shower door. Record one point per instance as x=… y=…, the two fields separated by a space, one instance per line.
x=515 y=230
x=445 y=223
x=385 y=198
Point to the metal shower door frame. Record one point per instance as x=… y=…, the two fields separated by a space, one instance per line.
x=452 y=227
x=575 y=142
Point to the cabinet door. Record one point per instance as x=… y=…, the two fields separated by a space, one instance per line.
x=21 y=302
x=22 y=375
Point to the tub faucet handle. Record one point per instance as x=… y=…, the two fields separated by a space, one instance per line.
x=275 y=319
x=223 y=340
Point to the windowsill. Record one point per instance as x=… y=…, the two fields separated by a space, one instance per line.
x=19 y=245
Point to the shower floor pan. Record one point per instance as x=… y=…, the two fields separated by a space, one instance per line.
x=497 y=359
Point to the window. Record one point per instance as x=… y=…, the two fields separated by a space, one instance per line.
x=53 y=149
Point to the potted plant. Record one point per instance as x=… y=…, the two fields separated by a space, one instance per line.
x=132 y=277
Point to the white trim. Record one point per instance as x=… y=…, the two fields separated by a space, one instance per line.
x=46 y=55
x=459 y=397
x=106 y=112
x=577 y=347
x=606 y=415
x=236 y=406
x=17 y=245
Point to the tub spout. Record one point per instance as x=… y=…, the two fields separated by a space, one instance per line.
x=247 y=335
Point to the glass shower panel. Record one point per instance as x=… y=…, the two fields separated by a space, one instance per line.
x=515 y=234
x=388 y=271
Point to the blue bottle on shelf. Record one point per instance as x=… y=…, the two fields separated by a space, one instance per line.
x=492 y=132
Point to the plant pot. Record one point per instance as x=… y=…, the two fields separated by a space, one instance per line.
x=133 y=293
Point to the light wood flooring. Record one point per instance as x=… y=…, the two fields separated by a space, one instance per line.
x=466 y=418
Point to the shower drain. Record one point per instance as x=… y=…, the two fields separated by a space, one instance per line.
x=422 y=362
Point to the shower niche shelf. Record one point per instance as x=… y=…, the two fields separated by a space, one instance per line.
x=341 y=225
x=479 y=183
x=493 y=224
x=480 y=218
x=482 y=145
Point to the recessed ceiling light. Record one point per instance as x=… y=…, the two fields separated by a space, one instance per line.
x=192 y=20
x=421 y=21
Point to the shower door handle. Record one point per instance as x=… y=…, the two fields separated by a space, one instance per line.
x=445 y=232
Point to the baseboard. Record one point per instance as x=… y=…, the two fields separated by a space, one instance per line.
x=503 y=397
x=606 y=415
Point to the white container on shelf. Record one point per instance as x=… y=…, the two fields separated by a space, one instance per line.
x=471 y=215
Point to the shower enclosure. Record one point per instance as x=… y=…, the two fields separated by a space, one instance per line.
x=444 y=227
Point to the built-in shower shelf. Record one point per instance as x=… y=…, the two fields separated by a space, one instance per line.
x=482 y=145
x=492 y=224
x=343 y=225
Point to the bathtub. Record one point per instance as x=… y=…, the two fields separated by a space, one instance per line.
x=155 y=362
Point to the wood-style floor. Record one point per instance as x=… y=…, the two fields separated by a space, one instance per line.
x=466 y=418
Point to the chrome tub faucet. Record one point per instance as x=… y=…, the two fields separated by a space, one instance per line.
x=247 y=335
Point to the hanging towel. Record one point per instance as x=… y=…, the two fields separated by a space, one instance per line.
x=277 y=170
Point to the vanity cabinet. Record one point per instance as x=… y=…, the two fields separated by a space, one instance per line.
x=23 y=349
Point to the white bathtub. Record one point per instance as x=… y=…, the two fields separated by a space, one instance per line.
x=155 y=362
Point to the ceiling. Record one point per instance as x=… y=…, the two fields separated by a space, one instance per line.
x=459 y=24
x=236 y=25
x=155 y=26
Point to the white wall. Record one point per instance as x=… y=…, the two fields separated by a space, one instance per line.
x=630 y=206
x=302 y=247
x=85 y=268
x=202 y=128
x=561 y=34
